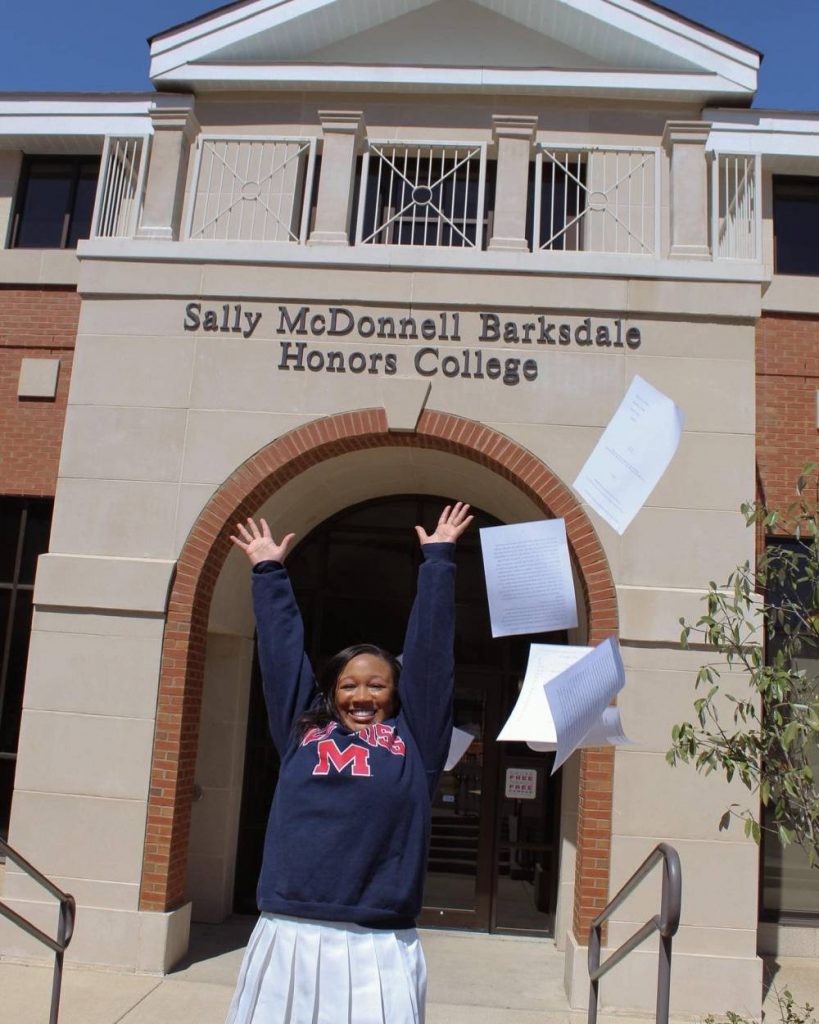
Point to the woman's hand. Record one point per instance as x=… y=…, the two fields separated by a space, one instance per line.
x=454 y=520
x=258 y=545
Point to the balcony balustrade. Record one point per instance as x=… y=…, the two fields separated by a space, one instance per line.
x=591 y=199
x=120 y=187
x=423 y=194
x=736 y=207
x=251 y=189
x=435 y=195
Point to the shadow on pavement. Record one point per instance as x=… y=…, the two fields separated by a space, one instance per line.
x=209 y=941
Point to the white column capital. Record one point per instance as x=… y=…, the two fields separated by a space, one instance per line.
x=690 y=132
x=171 y=112
x=513 y=126
x=345 y=122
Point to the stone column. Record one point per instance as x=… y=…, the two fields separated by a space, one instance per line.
x=514 y=136
x=342 y=129
x=686 y=141
x=175 y=125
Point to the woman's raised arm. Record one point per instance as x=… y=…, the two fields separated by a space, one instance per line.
x=287 y=676
x=426 y=683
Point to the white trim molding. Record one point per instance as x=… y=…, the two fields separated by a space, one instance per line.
x=37 y=116
x=767 y=132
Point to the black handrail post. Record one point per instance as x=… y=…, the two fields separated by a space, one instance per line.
x=65 y=924
x=666 y=923
x=669 y=919
x=594 y=966
x=664 y=980
x=65 y=927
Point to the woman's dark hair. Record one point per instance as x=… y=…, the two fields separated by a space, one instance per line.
x=324 y=710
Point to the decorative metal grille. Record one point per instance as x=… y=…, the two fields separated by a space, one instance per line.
x=119 y=190
x=735 y=206
x=423 y=194
x=252 y=189
x=595 y=199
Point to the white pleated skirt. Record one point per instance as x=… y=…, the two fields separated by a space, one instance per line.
x=297 y=971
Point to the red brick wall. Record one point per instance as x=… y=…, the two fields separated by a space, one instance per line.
x=35 y=323
x=787 y=378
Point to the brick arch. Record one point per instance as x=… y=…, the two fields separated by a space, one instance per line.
x=198 y=568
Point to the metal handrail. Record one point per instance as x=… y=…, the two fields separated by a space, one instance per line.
x=666 y=923
x=65 y=925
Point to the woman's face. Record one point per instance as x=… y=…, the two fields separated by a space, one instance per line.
x=365 y=692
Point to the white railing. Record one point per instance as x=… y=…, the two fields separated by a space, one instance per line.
x=597 y=199
x=252 y=188
x=120 y=187
x=736 y=207
x=422 y=193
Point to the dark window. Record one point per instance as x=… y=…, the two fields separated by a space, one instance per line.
x=55 y=202
x=24 y=529
x=790 y=886
x=313 y=198
x=562 y=204
x=796 y=225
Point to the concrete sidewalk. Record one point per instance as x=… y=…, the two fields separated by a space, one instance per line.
x=473 y=979
x=479 y=979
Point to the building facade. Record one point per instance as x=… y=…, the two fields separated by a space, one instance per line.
x=344 y=263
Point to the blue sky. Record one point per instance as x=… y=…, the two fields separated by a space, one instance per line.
x=93 y=45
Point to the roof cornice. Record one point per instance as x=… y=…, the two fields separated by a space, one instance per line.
x=71 y=114
x=704 y=88
x=771 y=133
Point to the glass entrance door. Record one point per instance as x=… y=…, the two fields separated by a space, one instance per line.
x=493 y=860
x=458 y=888
x=526 y=861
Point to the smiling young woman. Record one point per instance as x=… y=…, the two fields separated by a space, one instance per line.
x=366 y=742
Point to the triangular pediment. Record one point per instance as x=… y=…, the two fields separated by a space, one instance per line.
x=455 y=33
x=507 y=45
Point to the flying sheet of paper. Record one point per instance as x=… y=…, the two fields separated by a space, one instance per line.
x=531 y=717
x=607 y=731
x=632 y=455
x=581 y=693
x=458 y=746
x=528 y=577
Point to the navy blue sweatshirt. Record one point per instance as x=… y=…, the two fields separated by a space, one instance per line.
x=348 y=830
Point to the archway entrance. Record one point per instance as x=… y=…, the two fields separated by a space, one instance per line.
x=493 y=863
x=298 y=479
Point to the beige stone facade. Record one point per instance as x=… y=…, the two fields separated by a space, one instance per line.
x=195 y=356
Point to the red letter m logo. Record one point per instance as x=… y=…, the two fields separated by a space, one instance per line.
x=329 y=754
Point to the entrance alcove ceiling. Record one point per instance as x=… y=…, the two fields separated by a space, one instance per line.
x=326 y=489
